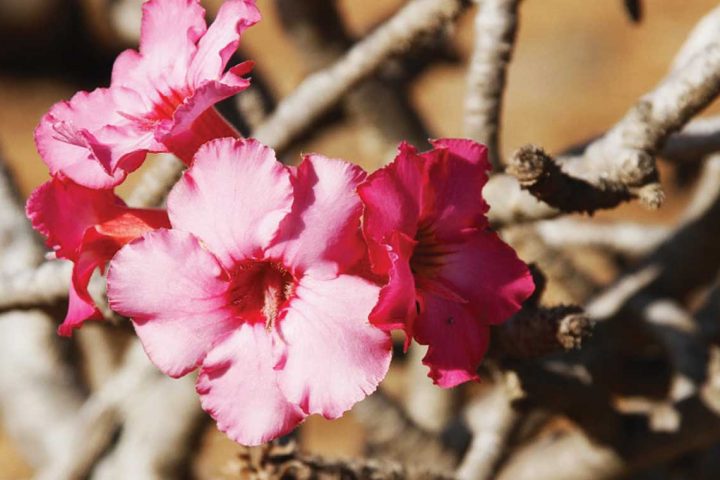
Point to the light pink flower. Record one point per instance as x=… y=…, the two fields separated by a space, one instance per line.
x=255 y=285
x=87 y=227
x=160 y=99
x=448 y=276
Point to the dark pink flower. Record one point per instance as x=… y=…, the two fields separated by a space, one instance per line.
x=448 y=276
x=161 y=97
x=87 y=227
x=254 y=284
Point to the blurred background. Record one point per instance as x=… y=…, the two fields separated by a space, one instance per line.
x=578 y=66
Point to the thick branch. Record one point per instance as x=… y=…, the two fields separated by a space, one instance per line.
x=495 y=27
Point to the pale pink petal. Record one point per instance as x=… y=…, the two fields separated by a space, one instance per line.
x=487 y=272
x=174 y=291
x=457 y=173
x=397 y=306
x=170 y=30
x=233 y=198
x=238 y=388
x=334 y=357
x=322 y=233
x=63 y=211
x=158 y=73
x=221 y=40
x=392 y=197
x=457 y=340
x=67 y=139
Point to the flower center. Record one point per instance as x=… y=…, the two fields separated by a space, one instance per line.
x=428 y=254
x=259 y=290
x=166 y=104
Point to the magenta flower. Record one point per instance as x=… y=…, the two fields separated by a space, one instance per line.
x=256 y=285
x=87 y=227
x=448 y=276
x=160 y=98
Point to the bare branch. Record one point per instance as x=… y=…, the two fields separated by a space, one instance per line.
x=575 y=456
x=426 y=404
x=621 y=237
x=284 y=461
x=159 y=423
x=323 y=89
x=492 y=419
x=495 y=27
x=155 y=183
x=44 y=285
x=391 y=434
x=698 y=139
x=539 y=174
x=91 y=430
x=385 y=115
x=534 y=332
x=37 y=389
x=663 y=273
x=623 y=158
x=705 y=33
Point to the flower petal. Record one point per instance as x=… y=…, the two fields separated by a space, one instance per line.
x=170 y=31
x=196 y=121
x=457 y=172
x=392 y=197
x=322 y=233
x=397 y=304
x=487 y=272
x=233 y=198
x=174 y=291
x=457 y=340
x=221 y=40
x=81 y=306
x=238 y=388
x=334 y=356
x=68 y=141
x=62 y=211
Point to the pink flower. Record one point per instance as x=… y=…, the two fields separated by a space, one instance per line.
x=87 y=227
x=255 y=285
x=160 y=99
x=448 y=276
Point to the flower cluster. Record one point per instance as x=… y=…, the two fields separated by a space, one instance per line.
x=279 y=284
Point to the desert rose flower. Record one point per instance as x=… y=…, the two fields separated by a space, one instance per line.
x=87 y=227
x=255 y=284
x=448 y=276
x=161 y=98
